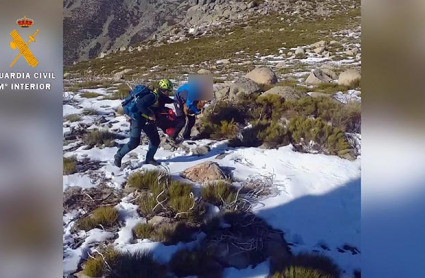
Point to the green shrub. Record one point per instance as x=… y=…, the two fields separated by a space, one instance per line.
x=331 y=88
x=93 y=267
x=250 y=137
x=90 y=95
x=173 y=233
x=226 y=130
x=105 y=216
x=304 y=130
x=217 y=193
x=139 y=264
x=271 y=106
x=300 y=272
x=144 y=179
x=99 y=138
x=316 y=262
x=124 y=264
x=143 y=230
x=274 y=136
x=181 y=199
x=73 y=118
x=195 y=262
x=69 y=165
x=90 y=112
x=146 y=205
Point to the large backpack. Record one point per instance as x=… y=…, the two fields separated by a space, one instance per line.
x=129 y=104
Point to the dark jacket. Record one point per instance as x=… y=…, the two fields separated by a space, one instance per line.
x=149 y=104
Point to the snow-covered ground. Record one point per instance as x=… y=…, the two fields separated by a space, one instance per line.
x=317 y=204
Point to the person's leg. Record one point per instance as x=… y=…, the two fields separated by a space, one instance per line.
x=152 y=133
x=190 y=123
x=135 y=132
x=179 y=125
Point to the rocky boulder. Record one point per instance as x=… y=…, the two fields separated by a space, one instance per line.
x=204 y=172
x=288 y=93
x=317 y=76
x=262 y=75
x=299 y=52
x=240 y=86
x=204 y=71
x=348 y=77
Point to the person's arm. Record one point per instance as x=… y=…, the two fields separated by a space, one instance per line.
x=145 y=103
x=192 y=107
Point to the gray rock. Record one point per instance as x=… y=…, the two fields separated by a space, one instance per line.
x=288 y=93
x=299 y=51
x=240 y=86
x=262 y=75
x=316 y=77
x=348 y=77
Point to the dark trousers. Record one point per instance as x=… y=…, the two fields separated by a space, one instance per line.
x=136 y=127
x=181 y=121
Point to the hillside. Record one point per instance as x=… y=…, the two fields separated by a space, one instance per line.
x=275 y=175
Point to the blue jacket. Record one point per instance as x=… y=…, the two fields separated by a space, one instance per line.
x=188 y=93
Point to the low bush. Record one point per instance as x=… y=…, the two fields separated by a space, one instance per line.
x=271 y=107
x=275 y=135
x=146 y=205
x=300 y=272
x=104 y=216
x=173 y=233
x=99 y=138
x=143 y=230
x=218 y=193
x=124 y=264
x=328 y=139
x=73 y=118
x=93 y=267
x=90 y=95
x=69 y=165
x=195 y=262
x=310 y=265
x=225 y=130
x=90 y=112
x=144 y=179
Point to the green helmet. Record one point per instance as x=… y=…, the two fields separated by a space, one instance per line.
x=165 y=84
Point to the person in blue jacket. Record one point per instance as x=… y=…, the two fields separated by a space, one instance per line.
x=186 y=107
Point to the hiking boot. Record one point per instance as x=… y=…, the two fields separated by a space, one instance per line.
x=117 y=161
x=152 y=162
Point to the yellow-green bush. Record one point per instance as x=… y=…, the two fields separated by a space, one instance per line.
x=180 y=196
x=144 y=179
x=124 y=264
x=300 y=272
x=73 y=118
x=69 y=165
x=216 y=193
x=225 y=130
x=146 y=205
x=303 y=130
x=143 y=230
x=173 y=233
x=100 y=138
x=93 y=267
x=90 y=95
x=275 y=135
x=195 y=262
x=271 y=106
x=307 y=265
x=90 y=112
x=105 y=216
